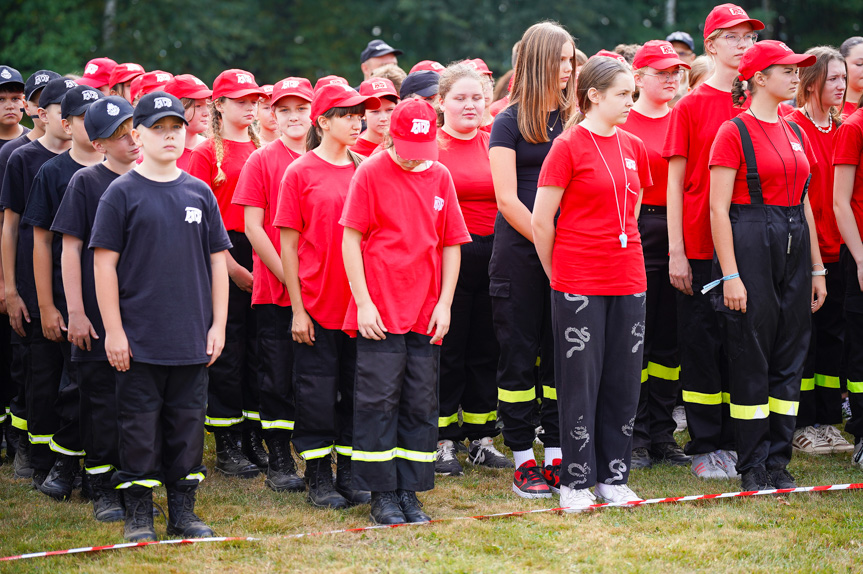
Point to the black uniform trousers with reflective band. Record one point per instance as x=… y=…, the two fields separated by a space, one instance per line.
x=824 y=373
x=161 y=416
x=521 y=308
x=324 y=389
x=853 y=342
x=395 y=413
x=7 y=384
x=766 y=346
x=275 y=370
x=599 y=342
x=97 y=383
x=703 y=372
x=470 y=353
x=234 y=392
x=19 y=370
x=660 y=365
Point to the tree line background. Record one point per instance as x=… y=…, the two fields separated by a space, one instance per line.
x=311 y=38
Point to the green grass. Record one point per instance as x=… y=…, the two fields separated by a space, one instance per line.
x=798 y=533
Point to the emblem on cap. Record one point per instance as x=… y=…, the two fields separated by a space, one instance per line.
x=290 y=84
x=5 y=74
x=90 y=95
x=112 y=109
x=160 y=103
x=42 y=79
x=667 y=49
x=420 y=126
x=91 y=69
x=784 y=47
x=379 y=85
x=735 y=11
x=199 y=82
x=244 y=79
x=163 y=77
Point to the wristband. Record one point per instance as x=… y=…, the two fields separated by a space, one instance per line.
x=713 y=284
x=819 y=273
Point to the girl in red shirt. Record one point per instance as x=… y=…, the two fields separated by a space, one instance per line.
x=232 y=405
x=852 y=50
x=766 y=250
x=268 y=127
x=193 y=93
x=594 y=175
x=377 y=120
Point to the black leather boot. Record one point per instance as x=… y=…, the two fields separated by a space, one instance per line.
x=182 y=520
x=412 y=507
x=230 y=459
x=319 y=474
x=139 y=514
x=61 y=479
x=282 y=473
x=343 y=483
x=253 y=448
x=386 y=509
x=107 y=501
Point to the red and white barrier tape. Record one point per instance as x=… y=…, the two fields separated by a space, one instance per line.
x=833 y=487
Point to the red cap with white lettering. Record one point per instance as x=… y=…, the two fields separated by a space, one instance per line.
x=612 y=55
x=768 y=53
x=235 y=84
x=659 y=55
x=413 y=127
x=268 y=90
x=379 y=87
x=428 y=65
x=188 y=86
x=728 y=16
x=150 y=82
x=479 y=65
x=339 y=96
x=300 y=87
x=327 y=80
x=124 y=72
x=97 y=72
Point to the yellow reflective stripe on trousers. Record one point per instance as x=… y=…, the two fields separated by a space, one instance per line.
x=284 y=425
x=344 y=450
x=19 y=423
x=644 y=375
x=199 y=476
x=749 y=412
x=855 y=387
x=252 y=415
x=702 y=398
x=316 y=453
x=144 y=483
x=415 y=455
x=40 y=438
x=446 y=421
x=59 y=449
x=516 y=396
x=99 y=469
x=663 y=372
x=479 y=418
x=217 y=422
x=387 y=455
x=827 y=381
x=549 y=392
x=807 y=385
x=783 y=407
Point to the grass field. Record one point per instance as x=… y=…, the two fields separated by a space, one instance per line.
x=798 y=533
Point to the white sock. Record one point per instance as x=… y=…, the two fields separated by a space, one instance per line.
x=522 y=456
x=551 y=453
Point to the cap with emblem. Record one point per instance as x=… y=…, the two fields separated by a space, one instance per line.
x=155 y=106
x=728 y=16
x=327 y=80
x=428 y=65
x=97 y=72
x=423 y=83
x=124 y=72
x=376 y=49
x=54 y=91
x=11 y=79
x=105 y=115
x=340 y=96
x=657 y=54
x=188 y=86
x=77 y=100
x=150 y=82
x=299 y=87
x=37 y=81
x=236 y=84
x=380 y=88
x=413 y=128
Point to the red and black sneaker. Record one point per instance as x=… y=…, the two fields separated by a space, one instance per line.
x=529 y=482
x=551 y=473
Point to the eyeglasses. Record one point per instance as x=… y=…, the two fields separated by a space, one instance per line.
x=667 y=77
x=684 y=53
x=733 y=40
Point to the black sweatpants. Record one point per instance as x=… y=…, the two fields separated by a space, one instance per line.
x=599 y=343
x=766 y=346
x=161 y=418
x=853 y=342
x=324 y=390
x=470 y=353
x=521 y=308
x=395 y=413
x=234 y=393
x=275 y=370
x=97 y=383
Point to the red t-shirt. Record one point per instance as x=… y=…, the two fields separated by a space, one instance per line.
x=486 y=128
x=496 y=107
x=821 y=186
x=312 y=197
x=406 y=219
x=587 y=258
x=848 y=109
x=693 y=125
x=258 y=186
x=467 y=162
x=202 y=164
x=364 y=147
x=183 y=162
x=652 y=133
x=780 y=183
x=847 y=150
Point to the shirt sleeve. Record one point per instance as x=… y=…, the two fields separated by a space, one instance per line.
x=71 y=218
x=504 y=130
x=846 y=149
x=807 y=146
x=557 y=168
x=250 y=188
x=219 y=240
x=645 y=178
x=677 y=136
x=455 y=229
x=356 y=213
x=38 y=209
x=110 y=224
x=727 y=151
x=12 y=197
x=288 y=212
x=202 y=164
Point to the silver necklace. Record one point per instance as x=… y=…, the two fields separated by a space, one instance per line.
x=621 y=216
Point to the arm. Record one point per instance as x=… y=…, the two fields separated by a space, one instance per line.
x=505 y=179
x=216 y=334
x=8 y=245
x=440 y=318
x=241 y=276
x=53 y=326
x=721 y=188
x=302 y=328
x=80 y=328
x=843 y=189
x=108 y=295
x=369 y=322
x=819 y=283
x=2 y=280
x=544 y=209
x=679 y=271
x=261 y=242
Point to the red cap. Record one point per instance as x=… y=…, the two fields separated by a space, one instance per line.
x=413 y=127
x=124 y=72
x=268 y=90
x=97 y=72
x=236 y=83
x=727 y=16
x=767 y=53
x=614 y=55
x=327 y=80
x=428 y=65
x=135 y=87
x=379 y=87
x=188 y=86
x=338 y=95
x=657 y=54
x=300 y=87
x=479 y=65
x=150 y=82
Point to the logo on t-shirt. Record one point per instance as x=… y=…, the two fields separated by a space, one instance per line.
x=735 y=11
x=91 y=69
x=5 y=74
x=796 y=147
x=438 y=203
x=112 y=109
x=290 y=84
x=193 y=215
x=244 y=79
x=421 y=127
x=90 y=95
x=630 y=164
x=160 y=103
x=163 y=77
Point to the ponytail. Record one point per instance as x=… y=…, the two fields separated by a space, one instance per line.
x=218 y=142
x=738 y=92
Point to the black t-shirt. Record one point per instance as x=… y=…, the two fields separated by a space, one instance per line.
x=165 y=233
x=75 y=217
x=45 y=197
x=6 y=151
x=23 y=135
x=24 y=163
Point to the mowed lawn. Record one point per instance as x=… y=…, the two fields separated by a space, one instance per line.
x=797 y=533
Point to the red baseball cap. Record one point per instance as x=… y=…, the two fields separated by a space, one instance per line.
x=124 y=72
x=727 y=16
x=150 y=82
x=327 y=80
x=413 y=127
x=657 y=54
x=300 y=87
x=767 y=53
x=188 y=86
x=339 y=96
x=614 y=55
x=268 y=91
x=479 y=65
x=379 y=87
x=97 y=72
x=236 y=83
x=428 y=65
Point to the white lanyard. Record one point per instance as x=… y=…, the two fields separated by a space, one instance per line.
x=621 y=216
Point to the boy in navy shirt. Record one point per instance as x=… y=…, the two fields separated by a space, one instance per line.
x=162 y=288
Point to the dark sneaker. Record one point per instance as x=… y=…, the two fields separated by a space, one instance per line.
x=460 y=446
x=640 y=458
x=482 y=452
x=386 y=508
x=782 y=479
x=755 y=479
x=551 y=474
x=445 y=462
x=60 y=481
x=529 y=482
x=412 y=507
x=669 y=453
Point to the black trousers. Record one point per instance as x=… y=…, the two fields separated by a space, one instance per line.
x=521 y=308
x=234 y=393
x=324 y=390
x=275 y=370
x=19 y=369
x=97 y=382
x=161 y=418
x=7 y=384
x=469 y=355
x=395 y=413
x=703 y=372
x=853 y=342
x=660 y=366
x=599 y=342
x=766 y=346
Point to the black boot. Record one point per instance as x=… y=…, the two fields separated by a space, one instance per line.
x=386 y=509
x=11 y=440
x=107 y=501
x=253 y=448
x=139 y=514
x=22 y=467
x=182 y=520
x=343 y=483
x=38 y=477
x=319 y=474
x=230 y=460
x=412 y=507
x=282 y=473
x=60 y=481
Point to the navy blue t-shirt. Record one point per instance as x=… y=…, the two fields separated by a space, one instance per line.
x=24 y=163
x=6 y=151
x=45 y=197
x=165 y=233
x=75 y=217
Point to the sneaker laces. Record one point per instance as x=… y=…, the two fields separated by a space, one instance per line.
x=832 y=434
x=623 y=491
x=491 y=448
x=445 y=451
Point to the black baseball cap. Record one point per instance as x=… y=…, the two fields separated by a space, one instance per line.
x=11 y=79
x=155 y=106
x=681 y=37
x=55 y=91
x=38 y=80
x=77 y=100
x=376 y=49
x=105 y=115
x=423 y=83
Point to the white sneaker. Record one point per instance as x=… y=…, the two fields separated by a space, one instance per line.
x=811 y=440
x=679 y=416
x=835 y=438
x=576 y=500
x=857 y=457
x=728 y=462
x=707 y=466
x=615 y=493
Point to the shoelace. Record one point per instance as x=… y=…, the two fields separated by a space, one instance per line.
x=491 y=448
x=445 y=453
